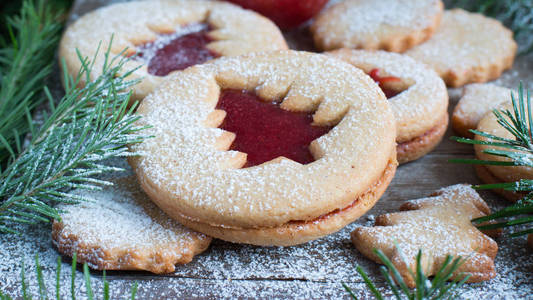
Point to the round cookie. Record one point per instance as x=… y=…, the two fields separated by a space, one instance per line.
x=119 y=228
x=392 y=25
x=189 y=170
x=498 y=174
x=467 y=47
x=419 y=98
x=477 y=100
x=162 y=29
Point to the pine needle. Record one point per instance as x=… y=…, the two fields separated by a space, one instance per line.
x=435 y=289
x=26 y=60
x=43 y=294
x=89 y=125
x=518 y=122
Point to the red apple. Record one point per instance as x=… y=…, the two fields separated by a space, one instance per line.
x=286 y=13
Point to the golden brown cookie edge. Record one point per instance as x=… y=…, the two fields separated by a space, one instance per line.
x=423 y=144
x=99 y=258
x=299 y=232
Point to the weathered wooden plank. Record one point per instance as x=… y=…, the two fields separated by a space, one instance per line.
x=313 y=270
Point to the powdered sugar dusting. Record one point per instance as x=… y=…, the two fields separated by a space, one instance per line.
x=465 y=42
x=440 y=226
x=136 y=23
x=205 y=188
x=120 y=226
x=314 y=270
x=366 y=17
x=478 y=100
x=418 y=108
x=366 y=22
x=149 y=50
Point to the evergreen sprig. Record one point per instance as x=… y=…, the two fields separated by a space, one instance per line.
x=515 y=14
x=87 y=126
x=44 y=290
x=26 y=60
x=519 y=152
x=436 y=289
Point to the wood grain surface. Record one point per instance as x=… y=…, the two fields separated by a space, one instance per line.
x=314 y=270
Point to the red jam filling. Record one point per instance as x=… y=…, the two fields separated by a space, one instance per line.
x=382 y=82
x=177 y=51
x=265 y=131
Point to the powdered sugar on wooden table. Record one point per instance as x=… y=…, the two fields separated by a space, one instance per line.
x=314 y=270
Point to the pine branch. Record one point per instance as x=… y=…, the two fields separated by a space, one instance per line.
x=26 y=60
x=517 y=214
x=43 y=289
x=519 y=152
x=437 y=288
x=88 y=126
x=515 y=14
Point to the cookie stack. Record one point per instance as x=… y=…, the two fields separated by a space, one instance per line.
x=455 y=45
x=254 y=143
x=475 y=111
x=461 y=47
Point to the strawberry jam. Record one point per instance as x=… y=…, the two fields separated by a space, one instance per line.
x=382 y=82
x=177 y=51
x=265 y=131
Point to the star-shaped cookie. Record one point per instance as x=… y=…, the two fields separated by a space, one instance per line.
x=439 y=225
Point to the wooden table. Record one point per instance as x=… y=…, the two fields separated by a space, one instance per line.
x=313 y=270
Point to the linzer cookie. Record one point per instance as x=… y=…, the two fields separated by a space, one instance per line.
x=477 y=100
x=119 y=228
x=267 y=148
x=418 y=97
x=494 y=173
x=166 y=36
x=392 y=25
x=440 y=226
x=467 y=47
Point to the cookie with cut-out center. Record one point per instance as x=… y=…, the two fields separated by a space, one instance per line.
x=477 y=100
x=466 y=48
x=416 y=93
x=119 y=228
x=166 y=36
x=392 y=25
x=439 y=225
x=267 y=148
x=493 y=173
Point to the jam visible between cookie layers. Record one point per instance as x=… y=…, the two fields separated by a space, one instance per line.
x=177 y=51
x=382 y=82
x=265 y=131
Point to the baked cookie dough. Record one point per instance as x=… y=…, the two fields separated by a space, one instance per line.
x=392 y=25
x=192 y=172
x=466 y=48
x=169 y=35
x=418 y=97
x=477 y=100
x=439 y=225
x=498 y=174
x=119 y=228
